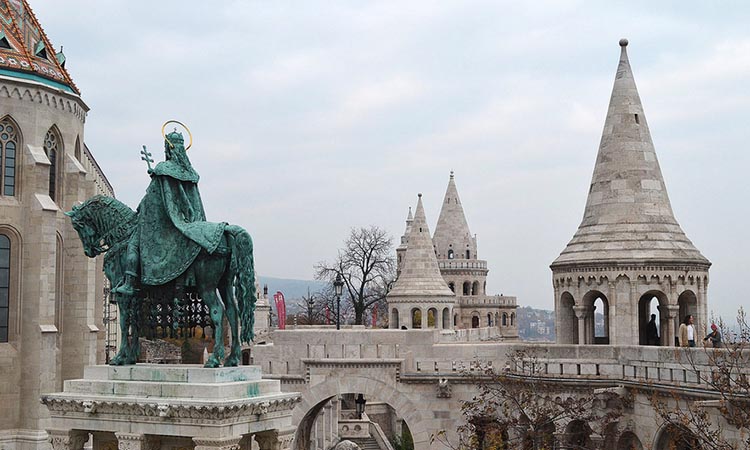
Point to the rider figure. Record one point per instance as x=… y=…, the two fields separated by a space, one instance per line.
x=164 y=238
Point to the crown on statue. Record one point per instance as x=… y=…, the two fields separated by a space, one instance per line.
x=175 y=137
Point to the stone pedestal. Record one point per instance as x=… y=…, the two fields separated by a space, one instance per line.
x=150 y=407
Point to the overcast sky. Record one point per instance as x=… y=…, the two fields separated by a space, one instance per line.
x=313 y=117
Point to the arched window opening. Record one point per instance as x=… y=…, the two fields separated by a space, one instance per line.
x=467 y=288
x=505 y=320
x=78 y=149
x=4 y=287
x=601 y=322
x=653 y=325
x=596 y=318
x=468 y=254
x=394 y=319
x=673 y=437
x=446 y=318
x=52 y=148
x=568 y=321
x=455 y=320
x=450 y=253
x=431 y=318
x=475 y=288
x=489 y=319
x=629 y=441
x=475 y=320
x=9 y=144
x=512 y=319
x=688 y=304
x=416 y=318
x=452 y=286
x=578 y=435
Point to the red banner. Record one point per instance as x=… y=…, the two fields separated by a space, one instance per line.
x=278 y=298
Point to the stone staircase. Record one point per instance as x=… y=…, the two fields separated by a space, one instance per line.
x=367 y=443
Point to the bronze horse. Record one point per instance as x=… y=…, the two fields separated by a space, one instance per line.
x=105 y=225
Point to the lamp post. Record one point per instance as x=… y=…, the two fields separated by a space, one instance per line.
x=360 y=405
x=338 y=288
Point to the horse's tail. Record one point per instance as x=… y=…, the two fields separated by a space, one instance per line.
x=242 y=266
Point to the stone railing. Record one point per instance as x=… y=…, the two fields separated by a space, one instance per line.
x=657 y=365
x=462 y=264
x=470 y=334
x=494 y=300
x=377 y=433
x=354 y=428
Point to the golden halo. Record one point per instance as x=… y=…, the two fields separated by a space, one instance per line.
x=183 y=126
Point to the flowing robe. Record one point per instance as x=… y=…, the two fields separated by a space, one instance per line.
x=172 y=227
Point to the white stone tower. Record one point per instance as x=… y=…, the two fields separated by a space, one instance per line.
x=466 y=274
x=420 y=298
x=51 y=294
x=629 y=250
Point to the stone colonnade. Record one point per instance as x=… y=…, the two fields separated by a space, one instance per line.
x=626 y=297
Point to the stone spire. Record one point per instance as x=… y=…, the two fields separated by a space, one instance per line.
x=628 y=216
x=401 y=249
x=452 y=229
x=25 y=50
x=420 y=275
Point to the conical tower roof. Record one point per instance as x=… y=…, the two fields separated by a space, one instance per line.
x=420 y=275
x=405 y=236
x=25 y=51
x=452 y=229
x=628 y=216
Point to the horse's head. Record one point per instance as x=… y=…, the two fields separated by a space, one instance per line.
x=101 y=221
x=85 y=226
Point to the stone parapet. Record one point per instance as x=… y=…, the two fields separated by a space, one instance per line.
x=176 y=401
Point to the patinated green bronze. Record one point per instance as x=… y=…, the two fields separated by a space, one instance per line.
x=166 y=248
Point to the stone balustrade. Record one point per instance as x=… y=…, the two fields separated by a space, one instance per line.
x=462 y=264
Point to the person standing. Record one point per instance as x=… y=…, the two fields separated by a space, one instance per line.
x=714 y=335
x=652 y=332
x=687 y=332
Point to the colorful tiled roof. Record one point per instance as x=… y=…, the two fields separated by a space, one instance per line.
x=25 y=50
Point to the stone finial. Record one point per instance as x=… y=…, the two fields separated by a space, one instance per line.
x=623 y=42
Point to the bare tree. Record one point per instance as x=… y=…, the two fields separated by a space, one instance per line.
x=366 y=265
x=724 y=371
x=518 y=408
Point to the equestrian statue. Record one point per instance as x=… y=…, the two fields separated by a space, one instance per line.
x=166 y=248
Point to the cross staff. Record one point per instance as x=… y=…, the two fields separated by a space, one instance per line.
x=147 y=157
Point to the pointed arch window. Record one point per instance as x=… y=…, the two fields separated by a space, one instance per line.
x=450 y=253
x=52 y=148
x=4 y=287
x=78 y=150
x=8 y=148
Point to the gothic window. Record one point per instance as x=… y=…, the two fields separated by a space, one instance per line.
x=78 y=150
x=512 y=319
x=468 y=254
x=450 y=253
x=52 y=148
x=8 y=147
x=452 y=286
x=4 y=286
x=505 y=320
x=467 y=288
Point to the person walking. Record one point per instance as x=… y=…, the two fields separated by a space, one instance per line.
x=715 y=336
x=686 y=336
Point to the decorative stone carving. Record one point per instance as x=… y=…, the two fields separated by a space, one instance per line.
x=67 y=439
x=444 y=389
x=275 y=440
x=232 y=443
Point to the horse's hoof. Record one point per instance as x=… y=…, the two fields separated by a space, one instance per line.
x=231 y=362
x=212 y=364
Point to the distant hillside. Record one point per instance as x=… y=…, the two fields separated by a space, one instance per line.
x=293 y=290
